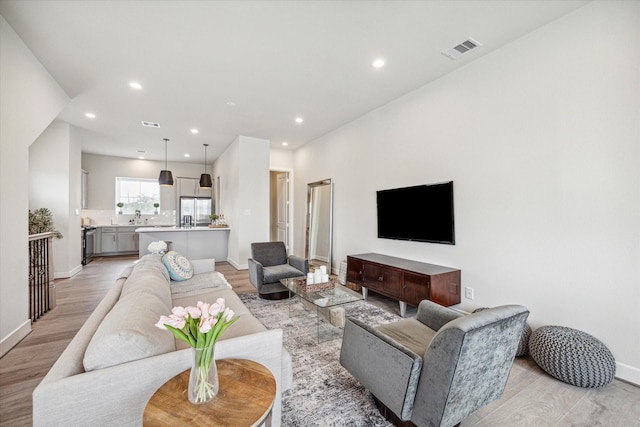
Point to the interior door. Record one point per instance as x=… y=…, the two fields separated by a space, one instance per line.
x=282 y=208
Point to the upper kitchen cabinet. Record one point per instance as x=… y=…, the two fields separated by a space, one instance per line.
x=168 y=198
x=84 y=194
x=190 y=187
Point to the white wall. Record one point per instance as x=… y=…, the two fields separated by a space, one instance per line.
x=541 y=140
x=243 y=170
x=54 y=183
x=103 y=171
x=30 y=101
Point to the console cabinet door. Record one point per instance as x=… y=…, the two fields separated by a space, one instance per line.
x=354 y=271
x=387 y=281
x=391 y=282
x=416 y=288
x=370 y=276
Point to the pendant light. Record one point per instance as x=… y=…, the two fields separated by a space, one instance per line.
x=165 y=179
x=205 y=178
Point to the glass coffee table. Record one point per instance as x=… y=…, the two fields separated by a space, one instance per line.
x=327 y=305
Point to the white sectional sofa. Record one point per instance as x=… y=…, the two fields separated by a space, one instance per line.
x=118 y=358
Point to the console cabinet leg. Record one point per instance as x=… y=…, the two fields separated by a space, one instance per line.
x=365 y=292
x=403 y=308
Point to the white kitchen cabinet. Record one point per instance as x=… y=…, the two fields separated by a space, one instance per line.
x=108 y=240
x=84 y=198
x=127 y=239
x=190 y=187
x=117 y=240
x=168 y=197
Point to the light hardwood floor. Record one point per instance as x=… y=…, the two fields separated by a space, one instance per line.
x=532 y=398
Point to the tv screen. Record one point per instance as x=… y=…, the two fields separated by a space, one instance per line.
x=422 y=213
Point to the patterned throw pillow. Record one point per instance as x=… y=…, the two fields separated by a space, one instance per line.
x=178 y=266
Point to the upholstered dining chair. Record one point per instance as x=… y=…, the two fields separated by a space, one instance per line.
x=437 y=368
x=269 y=263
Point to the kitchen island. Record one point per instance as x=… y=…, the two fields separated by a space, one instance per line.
x=192 y=242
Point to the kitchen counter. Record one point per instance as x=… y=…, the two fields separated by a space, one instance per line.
x=129 y=225
x=154 y=229
x=192 y=242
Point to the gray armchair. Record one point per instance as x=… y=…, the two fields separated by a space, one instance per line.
x=269 y=263
x=437 y=368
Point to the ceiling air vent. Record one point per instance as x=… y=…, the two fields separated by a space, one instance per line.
x=150 y=124
x=464 y=47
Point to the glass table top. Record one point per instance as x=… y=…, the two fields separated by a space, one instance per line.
x=324 y=298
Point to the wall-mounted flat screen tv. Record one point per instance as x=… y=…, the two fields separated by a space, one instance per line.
x=423 y=213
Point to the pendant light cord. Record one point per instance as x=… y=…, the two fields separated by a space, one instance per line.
x=205 y=157
x=165 y=153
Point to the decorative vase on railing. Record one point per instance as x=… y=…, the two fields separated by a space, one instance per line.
x=203 y=380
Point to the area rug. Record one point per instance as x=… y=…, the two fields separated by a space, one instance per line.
x=323 y=392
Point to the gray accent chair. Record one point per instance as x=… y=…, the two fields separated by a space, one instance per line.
x=269 y=263
x=437 y=368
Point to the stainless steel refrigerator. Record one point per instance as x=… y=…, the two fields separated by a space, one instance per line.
x=197 y=208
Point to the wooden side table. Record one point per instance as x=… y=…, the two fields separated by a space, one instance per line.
x=246 y=396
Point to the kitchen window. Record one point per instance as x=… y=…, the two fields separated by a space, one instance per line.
x=137 y=194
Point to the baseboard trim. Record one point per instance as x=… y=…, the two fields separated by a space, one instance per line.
x=15 y=337
x=238 y=266
x=628 y=373
x=66 y=274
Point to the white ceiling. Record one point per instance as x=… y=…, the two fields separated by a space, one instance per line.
x=275 y=60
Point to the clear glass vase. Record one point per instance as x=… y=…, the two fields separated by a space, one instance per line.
x=203 y=379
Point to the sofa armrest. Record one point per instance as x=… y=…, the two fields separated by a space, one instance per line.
x=434 y=315
x=203 y=265
x=300 y=263
x=256 y=273
x=389 y=370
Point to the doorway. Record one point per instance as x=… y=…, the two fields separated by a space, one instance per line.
x=279 y=224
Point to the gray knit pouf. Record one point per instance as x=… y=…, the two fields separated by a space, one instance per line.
x=523 y=345
x=572 y=356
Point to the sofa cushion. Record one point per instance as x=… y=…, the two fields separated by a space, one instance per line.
x=230 y=298
x=199 y=282
x=178 y=266
x=274 y=273
x=154 y=262
x=203 y=265
x=409 y=332
x=128 y=331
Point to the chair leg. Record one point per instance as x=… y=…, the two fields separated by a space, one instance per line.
x=275 y=295
x=390 y=416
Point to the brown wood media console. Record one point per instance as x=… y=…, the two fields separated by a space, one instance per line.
x=405 y=280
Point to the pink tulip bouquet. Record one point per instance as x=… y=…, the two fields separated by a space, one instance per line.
x=200 y=326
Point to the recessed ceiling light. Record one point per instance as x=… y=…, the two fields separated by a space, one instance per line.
x=378 y=63
x=299 y=120
x=231 y=104
x=90 y=115
x=187 y=155
x=141 y=157
x=194 y=131
x=135 y=85
x=285 y=143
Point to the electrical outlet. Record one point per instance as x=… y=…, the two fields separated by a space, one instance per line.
x=468 y=293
